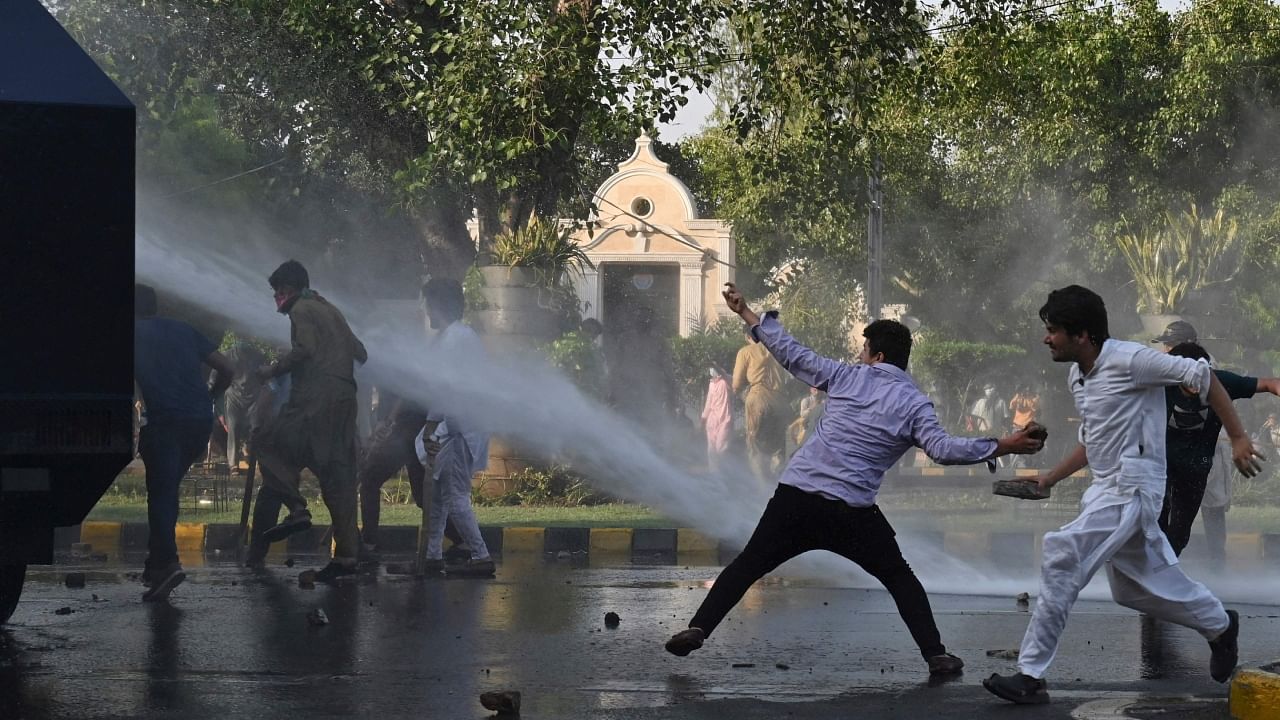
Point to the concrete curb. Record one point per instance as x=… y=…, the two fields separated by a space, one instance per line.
x=1255 y=693
x=114 y=538
x=1017 y=550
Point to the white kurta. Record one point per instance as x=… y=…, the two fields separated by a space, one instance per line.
x=1122 y=407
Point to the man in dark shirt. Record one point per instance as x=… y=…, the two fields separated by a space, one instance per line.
x=167 y=359
x=1190 y=443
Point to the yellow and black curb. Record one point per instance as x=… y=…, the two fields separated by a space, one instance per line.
x=1255 y=693
x=114 y=538
x=1016 y=551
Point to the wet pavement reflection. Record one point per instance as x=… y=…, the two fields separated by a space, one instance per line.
x=237 y=643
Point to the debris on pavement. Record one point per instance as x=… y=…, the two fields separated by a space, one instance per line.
x=506 y=702
x=782 y=666
x=611 y=619
x=63 y=611
x=317 y=618
x=307 y=579
x=1003 y=654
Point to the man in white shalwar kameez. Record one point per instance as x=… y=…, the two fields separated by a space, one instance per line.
x=460 y=450
x=1118 y=389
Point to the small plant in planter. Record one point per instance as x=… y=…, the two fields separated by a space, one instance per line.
x=543 y=247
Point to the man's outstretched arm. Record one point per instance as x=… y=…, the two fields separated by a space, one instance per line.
x=947 y=449
x=1245 y=456
x=806 y=365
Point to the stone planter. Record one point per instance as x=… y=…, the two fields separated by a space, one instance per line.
x=533 y=321
x=504 y=276
x=516 y=306
x=516 y=321
x=505 y=460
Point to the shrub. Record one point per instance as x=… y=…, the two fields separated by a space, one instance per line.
x=576 y=356
x=555 y=485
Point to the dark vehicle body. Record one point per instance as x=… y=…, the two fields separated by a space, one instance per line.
x=66 y=286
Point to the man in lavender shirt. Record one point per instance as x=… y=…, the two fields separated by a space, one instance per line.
x=826 y=498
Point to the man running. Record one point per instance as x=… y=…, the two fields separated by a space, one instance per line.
x=316 y=428
x=1191 y=441
x=1118 y=389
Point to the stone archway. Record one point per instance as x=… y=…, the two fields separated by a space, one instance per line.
x=646 y=217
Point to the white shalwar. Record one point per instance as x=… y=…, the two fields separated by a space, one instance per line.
x=1122 y=407
x=463 y=453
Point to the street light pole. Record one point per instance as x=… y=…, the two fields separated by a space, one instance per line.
x=875 y=239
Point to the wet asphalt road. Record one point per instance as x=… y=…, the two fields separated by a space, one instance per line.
x=237 y=644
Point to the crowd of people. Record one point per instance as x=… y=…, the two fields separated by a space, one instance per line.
x=1155 y=426
x=299 y=412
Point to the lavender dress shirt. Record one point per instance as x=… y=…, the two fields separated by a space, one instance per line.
x=875 y=413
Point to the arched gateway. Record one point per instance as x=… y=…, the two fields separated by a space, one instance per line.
x=651 y=249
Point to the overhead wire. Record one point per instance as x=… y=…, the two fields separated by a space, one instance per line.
x=229 y=178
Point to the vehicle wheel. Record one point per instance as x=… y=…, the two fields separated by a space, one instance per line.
x=11 y=579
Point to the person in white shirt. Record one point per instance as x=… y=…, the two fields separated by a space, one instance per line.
x=1118 y=389
x=459 y=450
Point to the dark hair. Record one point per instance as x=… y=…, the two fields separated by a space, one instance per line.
x=890 y=338
x=444 y=295
x=1189 y=350
x=144 y=301
x=1078 y=310
x=290 y=273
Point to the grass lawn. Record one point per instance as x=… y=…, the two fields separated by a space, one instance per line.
x=614 y=515
x=961 y=509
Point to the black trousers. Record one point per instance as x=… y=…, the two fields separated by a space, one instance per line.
x=796 y=522
x=1183 y=492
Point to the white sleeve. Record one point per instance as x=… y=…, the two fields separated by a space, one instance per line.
x=420 y=447
x=1156 y=369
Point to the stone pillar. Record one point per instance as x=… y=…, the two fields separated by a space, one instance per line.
x=587 y=286
x=690 y=295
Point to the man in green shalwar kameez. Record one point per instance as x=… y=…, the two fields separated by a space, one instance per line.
x=316 y=428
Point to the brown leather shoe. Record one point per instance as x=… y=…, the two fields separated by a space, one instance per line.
x=686 y=641
x=945 y=664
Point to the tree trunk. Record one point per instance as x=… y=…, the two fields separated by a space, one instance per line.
x=447 y=248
